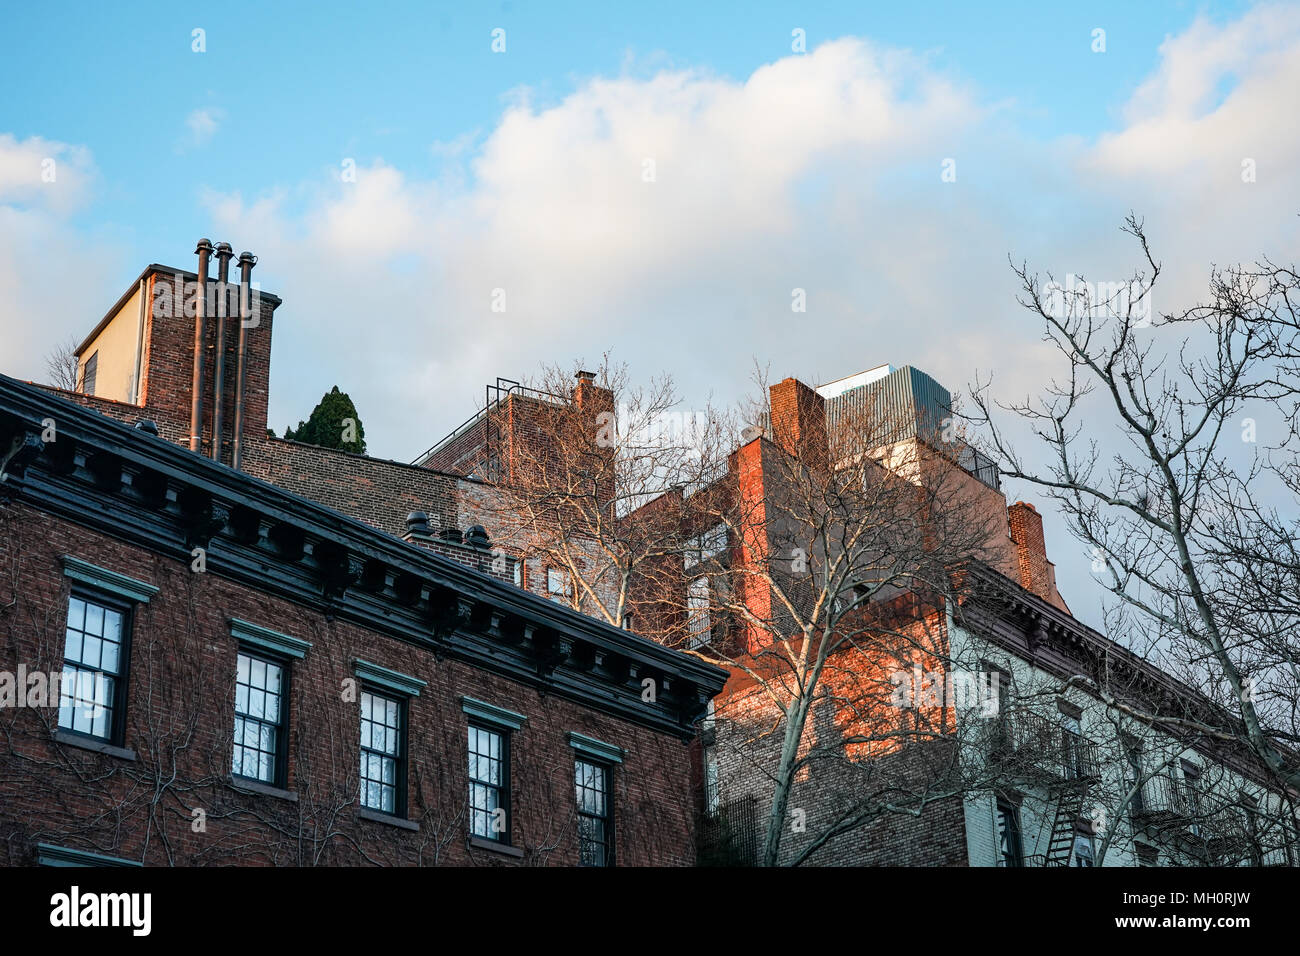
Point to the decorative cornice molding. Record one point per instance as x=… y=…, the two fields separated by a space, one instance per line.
x=268 y=639
x=47 y=854
x=1021 y=622
x=389 y=679
x=106 y=580
x=114 y=479
x=596 y=749
x=480 y=710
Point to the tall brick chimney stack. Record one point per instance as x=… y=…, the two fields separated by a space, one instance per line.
x=799 y=421
x=597 y=407
x=1036 y=573
x=590 y=396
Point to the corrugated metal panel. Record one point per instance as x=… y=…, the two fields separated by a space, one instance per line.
x=907 y=397
x=913 y=405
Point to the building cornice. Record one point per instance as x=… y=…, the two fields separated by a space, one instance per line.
x=1055 y=642
x=140 y=489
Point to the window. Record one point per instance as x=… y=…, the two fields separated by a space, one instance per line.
x=89 y=372
x=1147 y=855
x=92 y=692
x=706 y=546
x=519 y=572
x=383 y=756
x=1251 y=808
x=489 y=783
x=260 y=723
x=998 y=682
x=1072 y=752
x=558 y=585
x=699 y=627
x=595 y=830
x=627 y=621
x=1082 y=850
x=1009 y=851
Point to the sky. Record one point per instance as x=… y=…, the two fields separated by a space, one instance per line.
x=649 y=180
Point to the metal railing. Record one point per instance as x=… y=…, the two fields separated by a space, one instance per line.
x=1164 y=797
x=494 y=397
x=1036 y=746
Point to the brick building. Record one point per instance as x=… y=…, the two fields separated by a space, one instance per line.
x=1058 y=777
x=270 y=653
x=986 y=727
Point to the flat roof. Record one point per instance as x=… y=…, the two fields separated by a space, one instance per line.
x=842 y=385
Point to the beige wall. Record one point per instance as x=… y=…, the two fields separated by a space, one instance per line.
x=116 y=346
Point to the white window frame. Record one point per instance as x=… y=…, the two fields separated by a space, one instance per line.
x=566 y=591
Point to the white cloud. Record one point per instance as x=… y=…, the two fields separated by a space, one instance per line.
x=200 y=126
x=820 y=172
x=51 y=273
x=43 y=174
x=1221 y=93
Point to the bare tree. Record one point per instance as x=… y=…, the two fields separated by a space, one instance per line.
x=1151 y=453
x=824 y=564
x=575 y=463
x=62 y=367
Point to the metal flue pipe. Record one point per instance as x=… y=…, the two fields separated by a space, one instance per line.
x=246 y=262
x=204 y=250
x=224 y=254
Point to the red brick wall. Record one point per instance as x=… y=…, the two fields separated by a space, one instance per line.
x=1037 y=574
x=169 y=366
x=167 y=369
x=799 y=421
x=834 y=783
x=180 y=718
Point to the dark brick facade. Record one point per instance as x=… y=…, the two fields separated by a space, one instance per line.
x=180 y=716
x=139 y=801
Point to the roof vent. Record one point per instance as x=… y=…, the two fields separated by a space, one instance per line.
x=417 y=522
x=477 y=536
x=147 y=426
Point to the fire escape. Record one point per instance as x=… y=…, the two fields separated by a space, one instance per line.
x=1032 y=752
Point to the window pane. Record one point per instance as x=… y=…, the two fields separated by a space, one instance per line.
x=487 y=773
x=381 y=735
x=257 y=721
x=91 y=659
x=591 y=781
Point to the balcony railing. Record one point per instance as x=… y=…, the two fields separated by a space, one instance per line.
x=1164 y=798
x=1031 y=745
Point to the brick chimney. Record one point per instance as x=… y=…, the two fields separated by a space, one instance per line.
x=596 y=406
x=1037 y=574
x=799 y=421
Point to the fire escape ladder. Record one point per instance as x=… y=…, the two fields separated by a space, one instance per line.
x=1068 y=810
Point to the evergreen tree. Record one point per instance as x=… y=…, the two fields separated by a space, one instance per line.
x=333 y=423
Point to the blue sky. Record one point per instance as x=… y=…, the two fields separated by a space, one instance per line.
x=299 y=84
x=525 y=171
